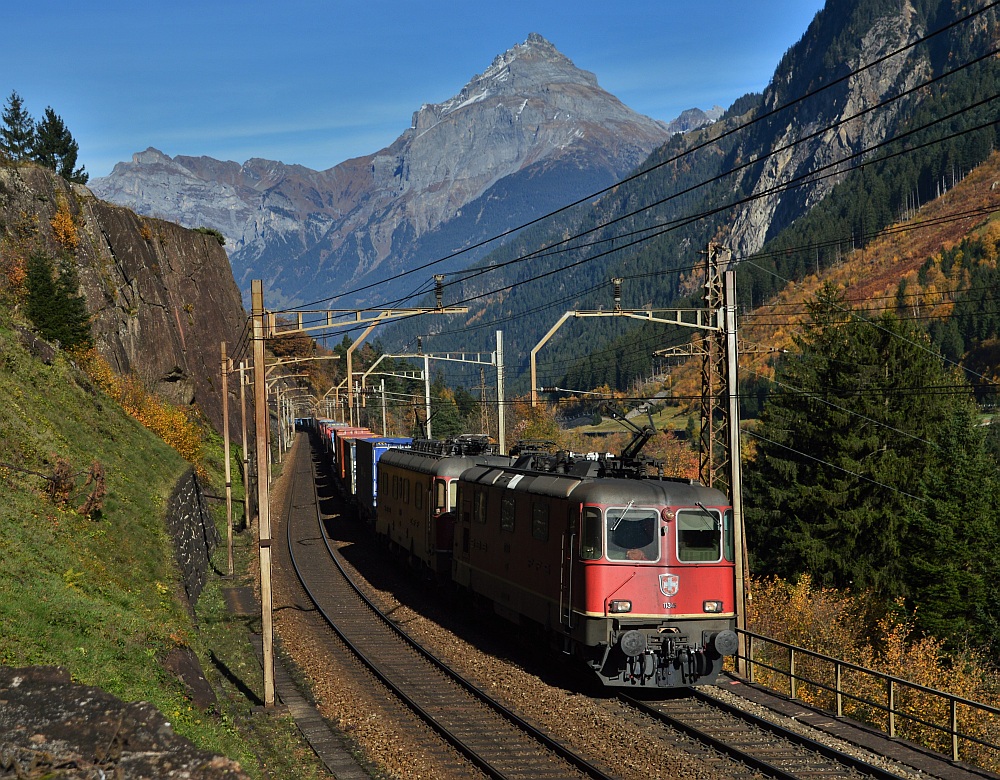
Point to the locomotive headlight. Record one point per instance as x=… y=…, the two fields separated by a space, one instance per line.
x=620 y=606
x=712 y=606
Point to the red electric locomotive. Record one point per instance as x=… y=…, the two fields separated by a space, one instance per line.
x=417 y=491
x=634 y=574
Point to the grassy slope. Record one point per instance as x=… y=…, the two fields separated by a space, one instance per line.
x=102 y=596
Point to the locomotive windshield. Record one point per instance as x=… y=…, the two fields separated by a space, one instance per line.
x=699 y=536
x=631 y=534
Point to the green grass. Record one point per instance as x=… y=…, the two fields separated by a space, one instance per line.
x=102 y=596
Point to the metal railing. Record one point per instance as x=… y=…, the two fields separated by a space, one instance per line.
x=905 y=703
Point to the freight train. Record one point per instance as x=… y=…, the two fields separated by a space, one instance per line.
x=630 y=571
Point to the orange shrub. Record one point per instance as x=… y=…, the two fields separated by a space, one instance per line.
x=64 y=228
x=15 y=273
x=167 y=421
x=838 y=624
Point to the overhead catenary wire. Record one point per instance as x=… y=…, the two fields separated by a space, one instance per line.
x=637 y=237
x=892 y=230
x=810 y=174
x=808 y=177
x=552 y=249
x=549 y=366
x=909 y=341
x=834 y=466
x=791 y=184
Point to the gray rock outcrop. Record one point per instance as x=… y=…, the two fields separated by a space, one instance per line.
x=52 y=728
x=761 y=217
x=193 y=532
x=161 y=297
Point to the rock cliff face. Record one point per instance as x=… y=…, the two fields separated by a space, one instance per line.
x=530 y=133
x=161 y=297
x=764 y=216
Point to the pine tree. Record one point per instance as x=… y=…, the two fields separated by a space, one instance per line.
x=950 y=569
x=56 y=148
x=854 y=459
x=54 y=306
x=17 y=136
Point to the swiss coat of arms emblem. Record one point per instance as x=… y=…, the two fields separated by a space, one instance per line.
x=669 y=583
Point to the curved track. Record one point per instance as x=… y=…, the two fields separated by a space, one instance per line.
x=482 y=730
x=491 y=737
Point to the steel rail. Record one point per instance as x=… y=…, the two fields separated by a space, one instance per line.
x=707 y=739
x=751 y=759
x=778 y=730
x=572 y=758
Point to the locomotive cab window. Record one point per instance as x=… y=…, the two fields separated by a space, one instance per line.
x=632 y=534
x=699 y=536
x=440 y=495
x=479 y=507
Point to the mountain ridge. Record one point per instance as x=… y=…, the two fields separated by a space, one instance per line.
x=531 y=115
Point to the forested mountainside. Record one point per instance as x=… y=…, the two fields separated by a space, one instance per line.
x=527 y=135
x=878 y=108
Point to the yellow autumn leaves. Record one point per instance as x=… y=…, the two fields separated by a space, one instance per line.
x=170 y=423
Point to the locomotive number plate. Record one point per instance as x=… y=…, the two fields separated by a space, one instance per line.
x=669 y=605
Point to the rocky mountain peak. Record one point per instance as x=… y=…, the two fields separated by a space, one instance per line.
x=525 y=69
x=525 y=135
x=536 y=60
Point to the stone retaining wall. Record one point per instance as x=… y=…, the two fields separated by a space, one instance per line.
x=193 y=532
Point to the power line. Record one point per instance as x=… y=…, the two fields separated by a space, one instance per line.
x=923 y=347
x=565 y=243
x=943 y=219
x=824 y=171
x=791 y=184
x=811 y=176
x=808 y=177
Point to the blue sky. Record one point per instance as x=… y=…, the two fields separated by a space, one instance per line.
x=316 y=82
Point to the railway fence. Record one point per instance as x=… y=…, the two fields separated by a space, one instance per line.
x=899 y=707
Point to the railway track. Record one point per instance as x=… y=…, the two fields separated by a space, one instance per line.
x=755 y=742
x=486 y=733
x=495 y=740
